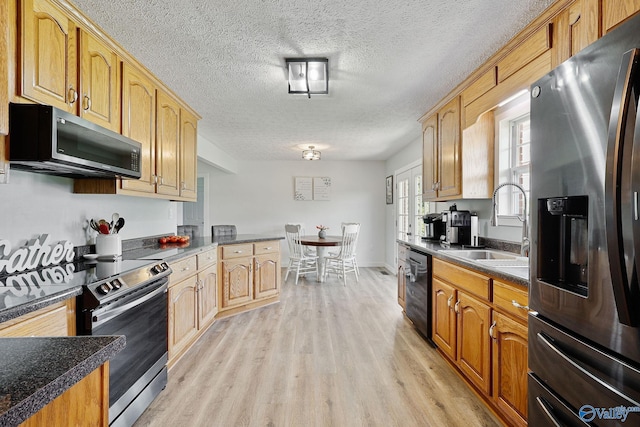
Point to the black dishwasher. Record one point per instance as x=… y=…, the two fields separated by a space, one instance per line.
x=418 y=292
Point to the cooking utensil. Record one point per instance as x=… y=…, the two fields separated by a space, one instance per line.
x=119 y=225
x=114 y=220
x=93 y=224
x=104 y=228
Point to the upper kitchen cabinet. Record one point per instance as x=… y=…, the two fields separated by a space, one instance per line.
x=456 y=164
x=139 y=124
x=65 y=66
x=616 y=11
x=99 y=99
x=48 y=54
x=168 y=134
x=574 y=28
x=442 y=153
x=188 y=155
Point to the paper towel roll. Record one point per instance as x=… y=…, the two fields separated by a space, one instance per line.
x=474 y=229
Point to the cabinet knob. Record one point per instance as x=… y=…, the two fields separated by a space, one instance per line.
x=86 y=102
x=238 y=252
x=456 y=307
x=449 y=301
x=184 y=185
x=493 y=326
x=186 y=269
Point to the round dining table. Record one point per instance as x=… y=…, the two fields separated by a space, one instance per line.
x=321 y=245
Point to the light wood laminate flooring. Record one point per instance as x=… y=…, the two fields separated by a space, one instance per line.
x=326 y=355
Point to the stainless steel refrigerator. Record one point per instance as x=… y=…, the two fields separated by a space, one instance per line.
x=584 y=329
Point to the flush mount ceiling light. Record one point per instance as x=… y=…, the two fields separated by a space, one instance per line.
x=308 y=75
x=311 y=154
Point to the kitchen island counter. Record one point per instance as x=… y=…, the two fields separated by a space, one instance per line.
x=35 y=371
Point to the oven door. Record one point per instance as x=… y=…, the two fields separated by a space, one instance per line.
x=142 y=319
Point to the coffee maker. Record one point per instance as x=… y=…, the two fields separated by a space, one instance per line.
x=458 y=226
x=434 y=225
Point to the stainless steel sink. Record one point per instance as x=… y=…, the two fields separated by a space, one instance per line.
x=499 y=260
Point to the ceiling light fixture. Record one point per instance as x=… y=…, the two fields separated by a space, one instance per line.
x=311 y=154
x=308 y=75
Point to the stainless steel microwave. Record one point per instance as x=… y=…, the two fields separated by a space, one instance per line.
x=48 y=140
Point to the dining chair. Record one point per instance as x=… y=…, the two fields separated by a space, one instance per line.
x=355 y=263
x=345 y=260
x=302 y=261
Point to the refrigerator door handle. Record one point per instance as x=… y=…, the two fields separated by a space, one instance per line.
x=548 y=411
x=542 y=337
x=622 y=292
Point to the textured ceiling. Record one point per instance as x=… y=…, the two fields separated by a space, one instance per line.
x=389 y=62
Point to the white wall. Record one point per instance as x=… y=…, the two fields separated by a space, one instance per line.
x=259 y=199
x=34 y=204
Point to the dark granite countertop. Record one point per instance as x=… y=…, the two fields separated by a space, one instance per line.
x=34 y=371
x=435 y=249
x=151 y=249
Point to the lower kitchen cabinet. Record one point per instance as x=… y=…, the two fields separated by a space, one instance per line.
x=84 y=404
x=480 y=325
x=402 y=275
x=474 y=343
x=444 y=317
x=510 y=368
x=249 y=274
x=193 y=302
x=56 y=320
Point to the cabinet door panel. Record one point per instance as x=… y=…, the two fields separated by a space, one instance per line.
x=207 y=295
x=99 y=87
x=48 y=55
x=444 y=318
x=168 y=145
x=402 y=286
x=236 y=282
x=430 y=157
x=266 y=275
x=510 y=368
x=188 y=156
x=474 y=343
x=139 y=124
x=616 y=11
x=183 y=316
x=449 y=150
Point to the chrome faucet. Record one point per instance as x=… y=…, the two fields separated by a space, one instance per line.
x=524 y=246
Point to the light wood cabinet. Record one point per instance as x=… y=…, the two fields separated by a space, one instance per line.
x=474 y=343
x=65 y=66
x=67 y=62
x=574 y=28
x=616 y=11
x=444 y=317
x=510 y=368
x=442 y=153
x=139 y=124
x=48 y=51
x=479 y=324
x=4 y=80
x=249 y=274
x=193 y=301
x=188 y=155
x=402 y=276
x=84 y=404
x=56 y=320
x=183 y=315
x=99 y=97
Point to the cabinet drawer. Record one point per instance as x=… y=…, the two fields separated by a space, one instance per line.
x=183 y=269
x=207 y=258
x=464 y=279
x=236 y=251
x=266 y=247
x=504 y=295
